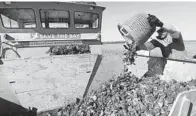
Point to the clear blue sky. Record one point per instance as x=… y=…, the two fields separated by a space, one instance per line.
x=180 y=14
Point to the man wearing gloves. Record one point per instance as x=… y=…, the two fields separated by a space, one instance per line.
x=168 y=39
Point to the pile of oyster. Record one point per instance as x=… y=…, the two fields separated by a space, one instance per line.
x=127 y=95
x=69 y=49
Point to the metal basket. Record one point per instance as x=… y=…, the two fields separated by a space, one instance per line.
x=139 y=28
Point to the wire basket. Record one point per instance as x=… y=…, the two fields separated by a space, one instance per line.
x=139 y=28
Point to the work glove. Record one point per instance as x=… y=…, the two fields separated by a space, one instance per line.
x=154 y=21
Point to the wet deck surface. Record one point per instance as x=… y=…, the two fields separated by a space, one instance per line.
x=48 y=82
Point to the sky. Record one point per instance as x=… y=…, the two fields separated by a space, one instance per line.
x=180 y=14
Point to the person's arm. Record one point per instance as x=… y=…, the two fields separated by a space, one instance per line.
x=155 y=22
x=171 y=30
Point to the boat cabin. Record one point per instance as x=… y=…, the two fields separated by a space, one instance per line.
x=45 y=24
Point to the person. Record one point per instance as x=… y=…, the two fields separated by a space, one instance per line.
x=169 y=39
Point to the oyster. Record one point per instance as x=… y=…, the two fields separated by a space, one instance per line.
x=128 y=95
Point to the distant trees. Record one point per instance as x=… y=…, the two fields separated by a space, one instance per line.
x=194 y=56
x=82 y=2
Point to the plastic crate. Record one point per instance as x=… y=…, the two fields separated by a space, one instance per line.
x=184 y=104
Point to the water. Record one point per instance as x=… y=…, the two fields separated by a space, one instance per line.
x=191 y=48
x=116 y=48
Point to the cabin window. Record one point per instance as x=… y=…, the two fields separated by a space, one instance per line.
x=55 y=18
x=86 y=20
x=18 y=18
